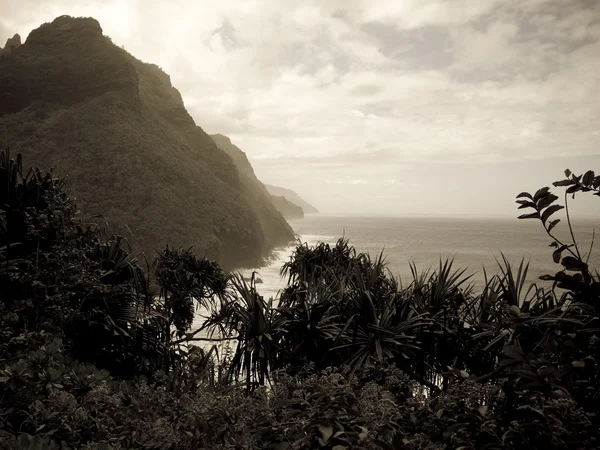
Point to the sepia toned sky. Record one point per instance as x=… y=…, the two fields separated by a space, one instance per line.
x=372 y=106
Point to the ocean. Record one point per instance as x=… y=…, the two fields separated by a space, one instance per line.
x=474 y=242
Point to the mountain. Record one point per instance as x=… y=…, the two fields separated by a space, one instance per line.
x=119 y=130
x=292 y=197
x=11 y=44
x=269 y=214
x=287 y=208
x=276 y=204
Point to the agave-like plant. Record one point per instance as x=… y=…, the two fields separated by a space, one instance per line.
x=313 y=322
x=186 y=283
x=442 y=294
x=256 y=325
x=381 y=322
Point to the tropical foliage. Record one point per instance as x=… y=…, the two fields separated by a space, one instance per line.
x=100 y=350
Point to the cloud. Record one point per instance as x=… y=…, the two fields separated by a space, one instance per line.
x=361 y=90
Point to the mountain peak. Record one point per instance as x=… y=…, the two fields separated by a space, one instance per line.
x=66 y=28
x=222 y=138
x=11 y=44
x=119 y=130
x=292 y=197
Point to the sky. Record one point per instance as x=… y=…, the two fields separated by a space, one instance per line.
x=376 y=107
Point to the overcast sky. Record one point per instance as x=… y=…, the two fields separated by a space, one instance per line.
x=372 y=106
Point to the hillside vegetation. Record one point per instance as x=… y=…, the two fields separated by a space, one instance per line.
x=270 y=216
x=292 y=197
x=252 y=185
x=96 y=348
x=72 y=100
x=287 y=208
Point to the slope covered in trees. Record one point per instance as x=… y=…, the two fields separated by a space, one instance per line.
x=287 y=208
x=254 y=191
x=72 y=100
x=292 y=197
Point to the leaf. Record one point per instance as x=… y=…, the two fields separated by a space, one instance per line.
x=439 y=412
x=578 y=364
x=596 y=183
x=483 y=409
x=546 y=201
x=535 y=215
x=551 y=225
x=525 y=204
x=588 y=178
x=549 y=211
x=556 y=254
x=525 y=194
x=553 y=243
x=541 y=193
x=572 y=263
x=326 y=432
x=364 y=432
x=563 y=183
x=573 y=189
x=568 y=173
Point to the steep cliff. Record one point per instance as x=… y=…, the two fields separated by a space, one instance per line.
x=287 y=208
x=292 y=197
x=270 y=216
x=119 y=130
x=11 y=44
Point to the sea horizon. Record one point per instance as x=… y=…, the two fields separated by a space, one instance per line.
x=426 y=239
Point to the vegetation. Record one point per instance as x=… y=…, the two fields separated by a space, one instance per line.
x=287 y=208
x=95 y=346
x=271 y=217
x=72 y=100
x=292 y=197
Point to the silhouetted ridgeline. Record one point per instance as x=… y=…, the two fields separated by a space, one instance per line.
x=287 y=208
x=253 y=185
x=292 y=197
x=270 y=215
x=71 y=99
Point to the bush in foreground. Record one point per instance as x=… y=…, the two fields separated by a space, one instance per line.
x=95 y=350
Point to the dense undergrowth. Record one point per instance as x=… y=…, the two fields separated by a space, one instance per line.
x=95 y=344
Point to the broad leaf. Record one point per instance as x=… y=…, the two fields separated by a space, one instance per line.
x=546 y=277
x=525 y=194
x=572 y=263
x=588 y=178
x=525 y=204
x=534 y=215
x=549 y=211
x=541 y=193
x=563 y=183
x=546 y=201
x=326 y=432
x=551 y=225
x=556 y=254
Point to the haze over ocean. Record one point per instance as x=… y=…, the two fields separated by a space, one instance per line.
x=473 y=241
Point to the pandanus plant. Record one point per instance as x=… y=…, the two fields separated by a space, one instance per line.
x=22 y=197
x=256 y=325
